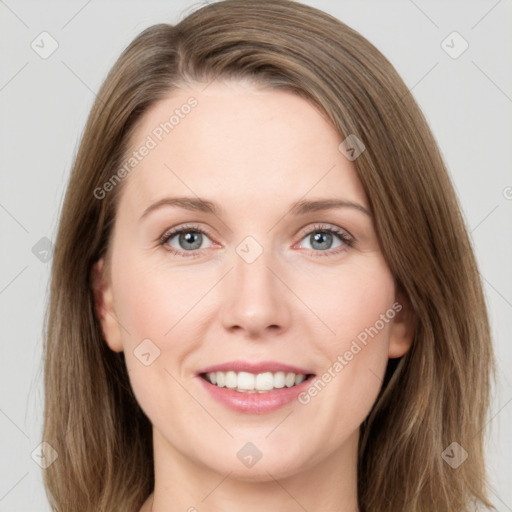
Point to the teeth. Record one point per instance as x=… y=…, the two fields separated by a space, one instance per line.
x=264 y=381
x=246 y=381
x=250 y=383
x=279 y=380
x=231 y=379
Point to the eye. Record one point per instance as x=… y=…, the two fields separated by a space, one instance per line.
x=328 y=239
x=187 y=239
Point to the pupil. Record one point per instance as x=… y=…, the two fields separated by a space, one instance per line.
x=189 y=237
x=320 y=238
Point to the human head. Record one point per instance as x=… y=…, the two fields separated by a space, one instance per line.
x=288 y=47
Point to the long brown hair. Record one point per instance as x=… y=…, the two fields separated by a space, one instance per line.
x=435 y=395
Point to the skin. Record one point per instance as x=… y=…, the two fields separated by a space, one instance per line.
x=239 y=147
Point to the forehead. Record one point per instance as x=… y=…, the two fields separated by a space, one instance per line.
x=240 y=143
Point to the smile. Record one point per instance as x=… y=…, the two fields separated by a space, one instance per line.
x=254 y=388
x=246 y=382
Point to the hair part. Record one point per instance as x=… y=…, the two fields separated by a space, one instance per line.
x=434 y=395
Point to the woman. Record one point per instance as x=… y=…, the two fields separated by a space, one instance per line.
x=263 y=292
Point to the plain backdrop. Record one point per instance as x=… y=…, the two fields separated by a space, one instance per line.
x=44 y=103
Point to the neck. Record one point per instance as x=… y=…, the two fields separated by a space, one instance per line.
x=182 y=484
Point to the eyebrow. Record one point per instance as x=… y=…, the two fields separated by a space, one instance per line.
x=301 y=207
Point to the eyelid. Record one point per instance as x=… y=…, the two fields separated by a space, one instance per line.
x=183 y=227
x=318 y=226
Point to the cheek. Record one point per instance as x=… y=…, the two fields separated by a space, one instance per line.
x=159 y=312
x=357 y=307
x=155 y=299
x=350 y=301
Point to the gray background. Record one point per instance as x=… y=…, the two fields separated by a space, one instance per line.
x=43 y=108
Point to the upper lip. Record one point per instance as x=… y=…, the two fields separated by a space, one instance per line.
x=252 y=367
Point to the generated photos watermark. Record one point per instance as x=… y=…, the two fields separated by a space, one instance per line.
x=343 y=360
x=151 y=142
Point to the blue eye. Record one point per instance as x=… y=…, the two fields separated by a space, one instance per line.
x=321 y=240
x=190 y=239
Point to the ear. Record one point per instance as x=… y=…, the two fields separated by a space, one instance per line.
x=402 y=328
x=104 y=306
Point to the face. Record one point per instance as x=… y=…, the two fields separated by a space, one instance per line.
x=248 y=280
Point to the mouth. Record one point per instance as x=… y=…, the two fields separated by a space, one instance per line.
x=255 y=383
x=254 y=387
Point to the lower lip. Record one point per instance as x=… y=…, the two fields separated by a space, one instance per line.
x=255 y=403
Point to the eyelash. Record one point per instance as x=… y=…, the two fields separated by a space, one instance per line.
x=342 y=235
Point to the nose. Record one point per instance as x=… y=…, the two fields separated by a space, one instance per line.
x=255 y=300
